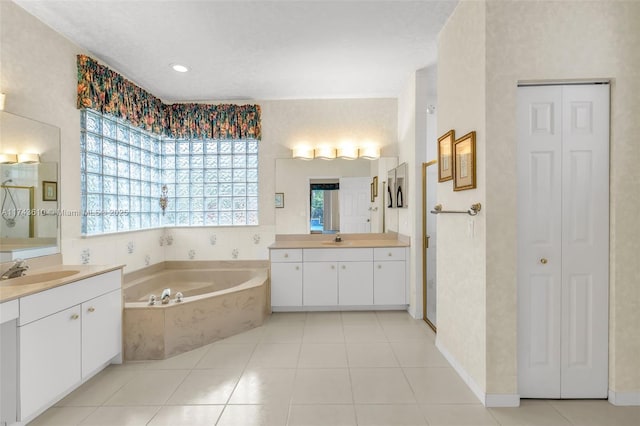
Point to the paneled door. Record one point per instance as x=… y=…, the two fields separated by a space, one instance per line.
x=355 y=200
x=563 y=240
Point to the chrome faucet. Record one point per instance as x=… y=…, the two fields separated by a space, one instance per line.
x=166 y=296
x=16 y=270
x=338 y=238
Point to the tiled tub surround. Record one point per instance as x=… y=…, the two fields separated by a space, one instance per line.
x=220 y=299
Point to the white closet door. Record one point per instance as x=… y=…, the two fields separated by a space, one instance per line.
x=539 y=241
x=563 y=231
x=585 y=241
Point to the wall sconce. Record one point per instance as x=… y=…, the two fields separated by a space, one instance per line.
x=303 y=153
x=8 y=158
x=28 y=158
x=370 y=153
x=348 y=153
x=325 y=153
x=164 y=199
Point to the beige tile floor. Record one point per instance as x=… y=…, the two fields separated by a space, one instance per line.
x=325 y=369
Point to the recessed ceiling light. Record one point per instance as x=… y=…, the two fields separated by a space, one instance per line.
x=179 y=68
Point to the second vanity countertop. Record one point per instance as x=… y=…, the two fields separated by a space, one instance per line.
x=16 y=288
x=286 y=241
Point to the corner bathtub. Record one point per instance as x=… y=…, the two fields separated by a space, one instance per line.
x=220 y=299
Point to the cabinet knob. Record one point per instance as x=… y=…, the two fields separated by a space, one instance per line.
x=543 y=261
x=390 y=254
x=91 y=309
x=286 y=255
x=297 y=268
x=75 y=316
x=344 y=267
x=333 y=266
x=379 y=266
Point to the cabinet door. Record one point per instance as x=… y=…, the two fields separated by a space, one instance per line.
x=320 y=284
x=286 y=284
x=101 y=330
x=49 y=359
x=355 y=283
x=389 y=283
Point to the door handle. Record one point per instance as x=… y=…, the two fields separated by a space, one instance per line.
x=543 y=261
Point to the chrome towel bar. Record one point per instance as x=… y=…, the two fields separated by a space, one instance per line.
x=473 y=210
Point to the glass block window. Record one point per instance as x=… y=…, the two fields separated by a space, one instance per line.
x=123 y=169
x=211 y=182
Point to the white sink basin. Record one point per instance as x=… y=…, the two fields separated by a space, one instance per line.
x=40 y=278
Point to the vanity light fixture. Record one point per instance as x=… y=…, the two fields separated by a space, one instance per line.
x=8 y=158
x=325 y=153
x=179 y=68
x=28 y=158
x=370 y=153
x=303 y=153
x=348 y=153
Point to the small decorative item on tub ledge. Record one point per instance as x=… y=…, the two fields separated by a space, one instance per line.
x=147 y=260
x=192 y=254
x=235 y=253
x=164 y=199
x=179 y=297
x=152 y=300
x=131 y=247
x=85 y=256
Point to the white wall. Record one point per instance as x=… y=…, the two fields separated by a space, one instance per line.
x=38 y=74
x=460 y=256
x=531 y=40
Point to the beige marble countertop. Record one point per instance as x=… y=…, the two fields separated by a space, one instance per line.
x=285 y=241
x=15 y=288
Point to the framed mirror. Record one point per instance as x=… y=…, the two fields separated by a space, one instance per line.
x=29 y=176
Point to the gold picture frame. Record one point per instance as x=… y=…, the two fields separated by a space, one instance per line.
x=375 y=186
x=49 y=191
x=373 y=197
x=445 y=154
x=464 y=150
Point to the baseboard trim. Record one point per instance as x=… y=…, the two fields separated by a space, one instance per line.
x=488 y=400
x=624 y=398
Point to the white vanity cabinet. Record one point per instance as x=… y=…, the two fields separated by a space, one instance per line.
x=9 y=312
x=49 y=359
x=65 y=335
x=338 y=278
x=355 y=284
x=320 y=284
x=286 y=277
x=101 y=341
x=389 y=276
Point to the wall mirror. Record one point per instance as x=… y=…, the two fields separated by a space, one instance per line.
x=29 y=191
x=316 y=190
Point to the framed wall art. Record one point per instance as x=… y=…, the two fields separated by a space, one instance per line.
x=445 y=150
x=279 y=200
x=464 y=150
x=49 y=191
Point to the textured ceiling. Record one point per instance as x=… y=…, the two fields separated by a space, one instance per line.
x=255 y=49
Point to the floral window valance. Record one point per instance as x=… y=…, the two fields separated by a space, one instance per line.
x=104 y=90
